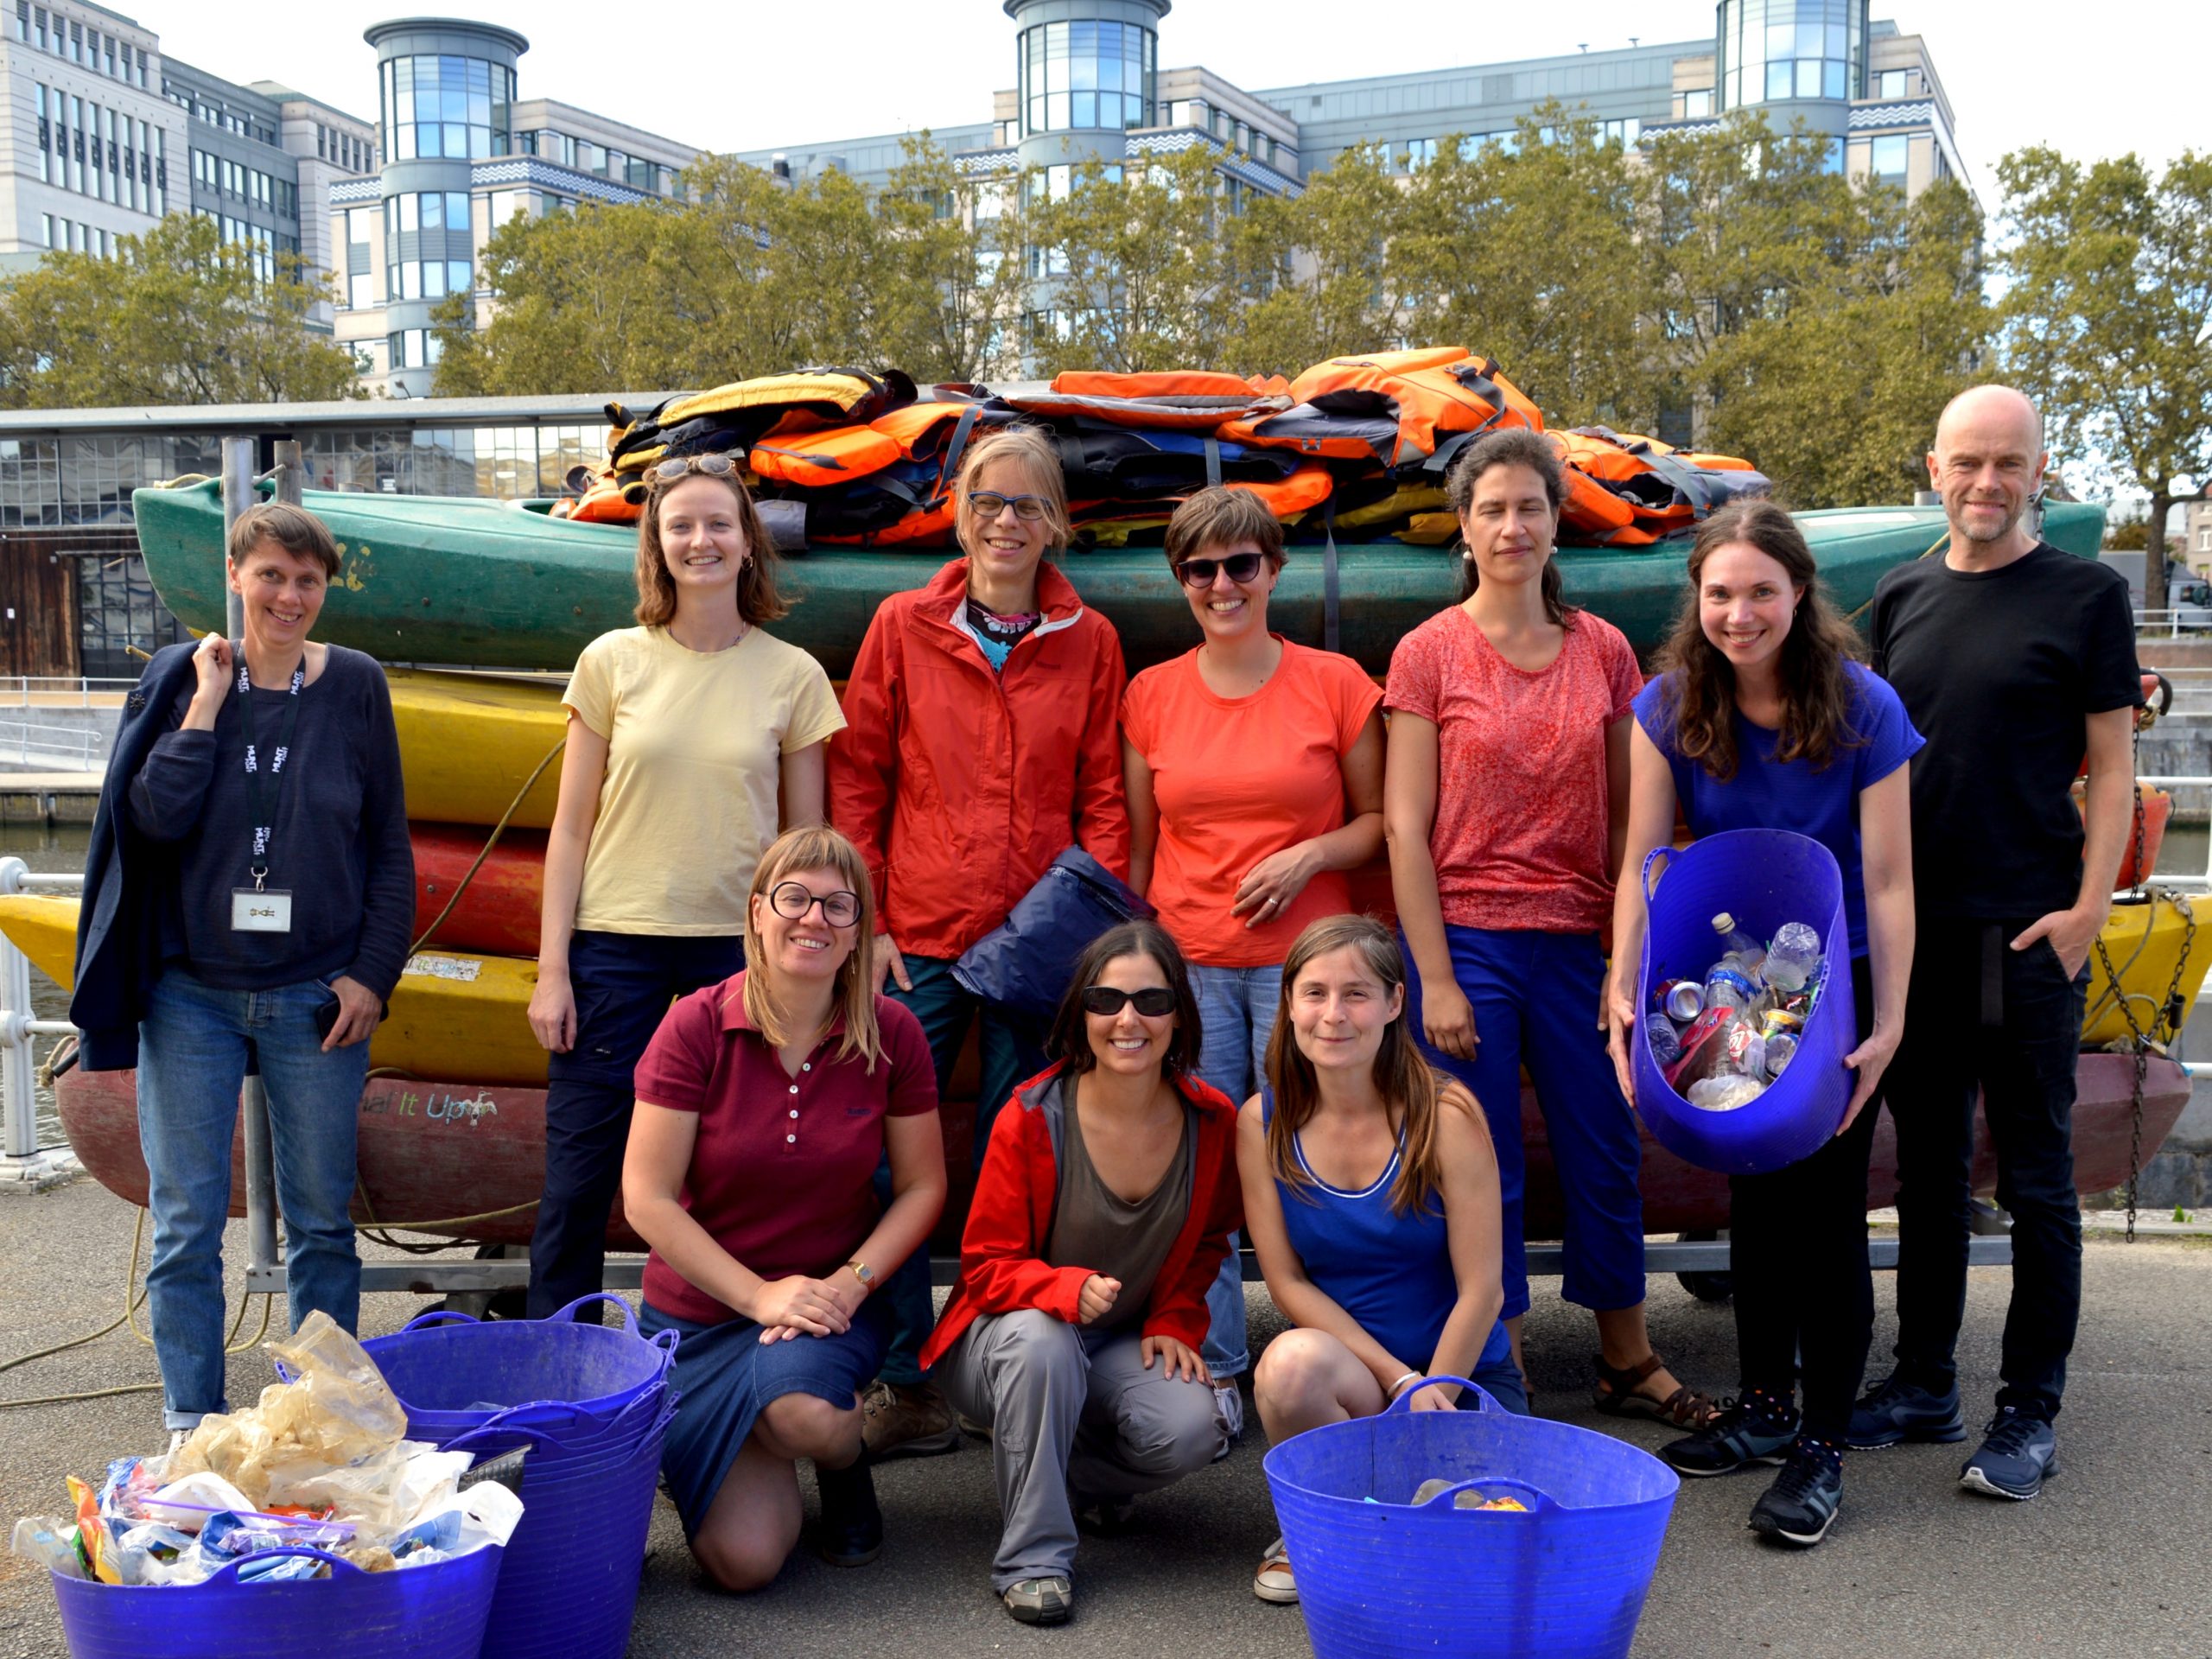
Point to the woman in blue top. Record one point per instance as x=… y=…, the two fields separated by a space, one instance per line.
x=1760 y=719
x=1370 y=1194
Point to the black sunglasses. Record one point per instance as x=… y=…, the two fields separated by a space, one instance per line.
x=1106 y=1002
x=1199 y=572
x=792 y=900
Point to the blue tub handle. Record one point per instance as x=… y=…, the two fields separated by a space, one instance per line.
x=501 y=1432
x=549 y=1417
x=1661 y=857
x=629 y=1319
x=1404 y=1402
x=437 y=1315
x=666 y=1340
x=231 y=1569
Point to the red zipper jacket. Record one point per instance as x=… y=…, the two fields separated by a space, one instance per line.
x=1010 y=1220
x=961 y=786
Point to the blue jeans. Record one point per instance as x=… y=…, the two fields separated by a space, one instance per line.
x=1236 y=1015
x=1535 y=1000
x=624 y=983
x=193 y=1048
x=1013 y=1051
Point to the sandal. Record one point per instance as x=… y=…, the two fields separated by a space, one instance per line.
x=1684 y=1408
x=1273 y=1581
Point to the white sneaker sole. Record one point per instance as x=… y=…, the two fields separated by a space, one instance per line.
x=1974 y=1481
x=1797 y=1540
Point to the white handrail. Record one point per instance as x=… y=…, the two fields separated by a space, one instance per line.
x=18 y=1079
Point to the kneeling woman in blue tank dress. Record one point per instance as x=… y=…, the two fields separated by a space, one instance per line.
x=1370 y=1194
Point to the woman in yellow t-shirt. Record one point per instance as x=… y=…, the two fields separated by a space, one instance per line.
x=692 y=739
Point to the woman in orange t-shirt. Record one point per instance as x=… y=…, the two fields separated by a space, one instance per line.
x=1253 y=769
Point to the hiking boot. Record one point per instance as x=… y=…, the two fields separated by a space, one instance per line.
x=907 y=1420
x=1800 y=1505
x=2018 y=1450
x=1040 y=1601
x=852 y=1526
x=1742 y=1435
x=1894 y=1411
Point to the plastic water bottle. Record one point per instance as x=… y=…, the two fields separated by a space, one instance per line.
x=1666 y=1042
x=1738 y=949
x=1727 y=986
x=1792 y=958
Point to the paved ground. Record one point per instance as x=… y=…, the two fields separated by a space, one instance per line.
x=2112 y=1559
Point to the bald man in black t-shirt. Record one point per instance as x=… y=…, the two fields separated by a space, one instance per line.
x=2014 y=660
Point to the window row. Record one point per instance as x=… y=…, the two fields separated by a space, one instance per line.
x=600 y=160
x=1195 y=112
x=1086 y=75
x=80 y=43
x=97 y=152
x=1776 y=50
x=344 y=150
x=263 y=245
x=425 y=210
x=424 y=279
x=213 y=172
x=444 y=107
x=414 y=348
x=74 y=235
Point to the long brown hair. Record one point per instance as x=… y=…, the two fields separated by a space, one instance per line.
x=1699 y=692
x=1410 y=1088
x=817 y=847
x=1514 y=446
x=758 y=601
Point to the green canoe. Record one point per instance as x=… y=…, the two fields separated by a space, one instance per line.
x=500 y=584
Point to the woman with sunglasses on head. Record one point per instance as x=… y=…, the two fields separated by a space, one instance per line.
x=1506 y=801
x=981 y=745
x=764 y=1104
x=1370 y=1192
x=1761 y=718
x=692 y=739
x=1101 y=1215
x=1253 y=768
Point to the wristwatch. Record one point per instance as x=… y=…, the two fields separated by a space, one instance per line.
x=865 y=1273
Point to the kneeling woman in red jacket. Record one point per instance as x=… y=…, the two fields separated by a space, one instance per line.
x=1103 y=1213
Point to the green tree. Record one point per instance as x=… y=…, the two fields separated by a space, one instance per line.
x=1316 y=270
x=2107 y=311
x=177 y=316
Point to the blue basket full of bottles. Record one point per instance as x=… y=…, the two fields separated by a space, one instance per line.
x=1745 y=1008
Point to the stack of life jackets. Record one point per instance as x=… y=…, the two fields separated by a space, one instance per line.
x=1358 y=442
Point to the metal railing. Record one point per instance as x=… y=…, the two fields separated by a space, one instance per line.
x=2174 y=621
x=2201 y=882
x=48 y=691
x=18 y=1025
x=26 y=742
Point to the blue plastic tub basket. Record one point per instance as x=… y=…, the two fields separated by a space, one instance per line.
x=452 y=1374
x=437 y=1612
x=1763 y=878
x=1564 y=1579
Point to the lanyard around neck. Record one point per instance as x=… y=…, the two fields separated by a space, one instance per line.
x=264 y=811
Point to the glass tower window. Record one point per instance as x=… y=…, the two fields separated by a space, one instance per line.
x=1774 y=49
x=1087 y=74
x=450 y=107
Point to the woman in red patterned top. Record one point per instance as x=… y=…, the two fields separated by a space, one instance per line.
x=1505 y=805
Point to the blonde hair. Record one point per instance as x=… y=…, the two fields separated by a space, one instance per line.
x=1033 y=453
x=758 y=601
x=817 y=847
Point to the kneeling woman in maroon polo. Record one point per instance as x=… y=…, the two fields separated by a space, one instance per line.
x=764 y=1104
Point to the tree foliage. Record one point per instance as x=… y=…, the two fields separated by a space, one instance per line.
x=2108 y=318
x=177 y=316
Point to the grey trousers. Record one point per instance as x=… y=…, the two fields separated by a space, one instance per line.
x=1075 y=1418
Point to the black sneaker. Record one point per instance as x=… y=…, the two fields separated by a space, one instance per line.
x=2018 y=1451
x=1741 y=1436
x=1893 y=1411
x=1800 y=1505
x=851 y=1533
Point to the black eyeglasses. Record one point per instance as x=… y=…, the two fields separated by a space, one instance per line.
x=1199 y=572
x=1105 y=1000
x=792 y=900
x=714 y=466
x=988 y=504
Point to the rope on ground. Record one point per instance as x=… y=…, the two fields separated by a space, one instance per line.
x=498 y=829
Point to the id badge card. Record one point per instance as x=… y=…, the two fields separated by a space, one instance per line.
x=261 y=909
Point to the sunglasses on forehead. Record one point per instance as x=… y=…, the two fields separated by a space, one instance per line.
x=1199 y=572
x=1106 y=1001
x=668 y=472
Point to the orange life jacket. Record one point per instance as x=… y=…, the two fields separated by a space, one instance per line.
x=735 y=415
x=1412 y=408
x=1626 y=490
x=1289 y=498
x=841 y=455
x=1180 y=401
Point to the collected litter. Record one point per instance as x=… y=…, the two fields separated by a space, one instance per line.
x=1720 y=1041
x=320 y=1462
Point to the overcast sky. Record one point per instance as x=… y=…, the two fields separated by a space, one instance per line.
x=2093 y=79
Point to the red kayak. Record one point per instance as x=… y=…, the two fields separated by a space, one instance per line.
x=433 y=1154
x=498 y=912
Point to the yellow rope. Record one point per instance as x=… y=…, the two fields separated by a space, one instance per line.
x=498 y=829
x=1934 y=548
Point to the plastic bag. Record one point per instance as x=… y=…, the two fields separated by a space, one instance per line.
x=51 y=1542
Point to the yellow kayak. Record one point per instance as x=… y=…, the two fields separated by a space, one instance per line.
x=455 y=1018
x=2145 y=939
x=467 y=742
